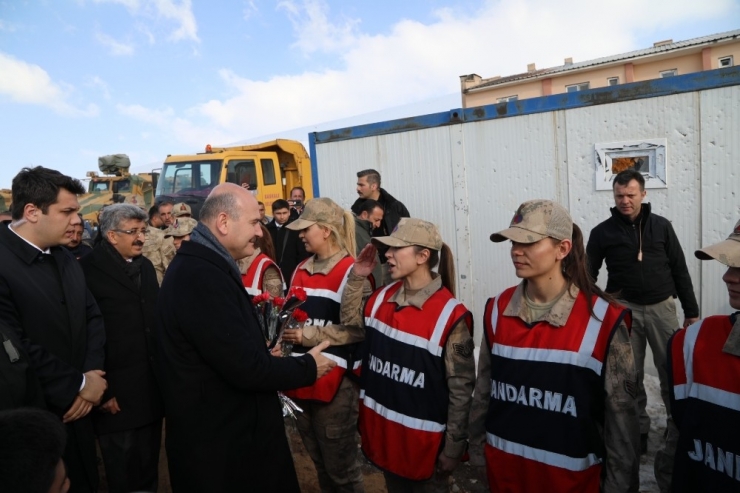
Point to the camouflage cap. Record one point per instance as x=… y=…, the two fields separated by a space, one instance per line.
x=183 y=227
x=535 y=220
x=319 y=210
x=181 y=209
x=410 y=231
x=726 y=252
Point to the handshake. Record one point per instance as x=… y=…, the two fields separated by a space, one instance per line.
x=90 y=395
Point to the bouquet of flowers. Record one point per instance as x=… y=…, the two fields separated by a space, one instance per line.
x=274 y=316
x=277 y=314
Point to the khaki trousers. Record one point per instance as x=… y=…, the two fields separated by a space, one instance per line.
x=654 y=325
x=329 y=433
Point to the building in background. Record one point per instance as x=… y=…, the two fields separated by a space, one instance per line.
x=664 y=59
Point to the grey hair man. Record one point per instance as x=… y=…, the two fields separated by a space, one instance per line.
x=214 y=364
x=124 y=284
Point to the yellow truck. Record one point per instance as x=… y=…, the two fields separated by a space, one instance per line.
x=116 y=185
x=6 y=197
x=270 y=170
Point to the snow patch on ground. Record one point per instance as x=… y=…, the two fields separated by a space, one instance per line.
x=657 y=413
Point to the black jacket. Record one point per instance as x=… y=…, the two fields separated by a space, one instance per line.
x=18 y=381
x=661 y=273
x=129 y=315
x=224 y=422
x=289 y=249
x=45 y=300
x=394 y=210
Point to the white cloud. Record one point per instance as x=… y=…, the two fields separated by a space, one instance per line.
x=98 y=83
x=115 y=47
x=7 y=27
x=249 y=10
x=313 y=29
x=182 y=14
x=414 y=61
x=26 y=83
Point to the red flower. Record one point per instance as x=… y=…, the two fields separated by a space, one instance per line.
x=298 y=292
x=299 y=315
x=279 y=301
x=260 y=298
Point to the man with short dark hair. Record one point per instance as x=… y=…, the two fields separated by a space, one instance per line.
x=124 y=284
x=264 y=217
x=368 y=187
x=646 y=270
x=45 y=300
x=289 y=249
x=165 y=209
x=370 y=216
x=31 y=445
x=157 y=248
x=225 y=427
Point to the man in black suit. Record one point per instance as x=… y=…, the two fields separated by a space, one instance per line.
x=289 y=248
x=225 y=427
x=44 y=299
x=124 y=284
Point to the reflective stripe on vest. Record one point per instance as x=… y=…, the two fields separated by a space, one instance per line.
x=701 y=391
x=583 y=358
x=326 y=387
x=402 y=419
x=432 y=345
x=543 y=456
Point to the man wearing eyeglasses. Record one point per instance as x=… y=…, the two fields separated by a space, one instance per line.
x=124 y=283
x=44 y=299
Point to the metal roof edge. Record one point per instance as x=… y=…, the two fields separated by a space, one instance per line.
x=696 y=81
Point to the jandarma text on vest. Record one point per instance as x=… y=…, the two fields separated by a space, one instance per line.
x=721 y=461
x=397 y=373
x=553 y=401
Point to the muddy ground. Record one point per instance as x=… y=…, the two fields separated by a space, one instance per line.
x=467 y=478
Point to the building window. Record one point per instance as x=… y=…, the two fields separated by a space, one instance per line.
x=726 y=61
x=669 y=73
x=583 y=86
x=612 y=81
x=507 y=99
x=646 y=156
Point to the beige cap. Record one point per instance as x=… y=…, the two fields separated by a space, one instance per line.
x=319 y=210
x=185 y=226
x=412 y=231
x=535 y=220
x=181 y=209
x=726 y=252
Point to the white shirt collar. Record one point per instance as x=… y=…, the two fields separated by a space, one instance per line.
x=47 y=251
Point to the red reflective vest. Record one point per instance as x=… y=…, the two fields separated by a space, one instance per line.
x=547 y=398
x=254 y=278
x=324 y=297
x=705 y=398
x=403 y=385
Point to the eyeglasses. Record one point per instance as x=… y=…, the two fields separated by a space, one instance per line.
x=132 y=232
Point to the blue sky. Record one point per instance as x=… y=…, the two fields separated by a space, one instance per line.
x=84 y=78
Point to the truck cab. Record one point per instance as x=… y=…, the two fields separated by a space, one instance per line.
x=269 y=170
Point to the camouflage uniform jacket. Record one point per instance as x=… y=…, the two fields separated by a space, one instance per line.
x=339 y=335
x=458 y=357
x=272 y=280
x=159 y=250
x=621 y=430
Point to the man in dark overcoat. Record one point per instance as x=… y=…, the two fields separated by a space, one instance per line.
x=225 y=427
x=44 y=299
x=124 y=284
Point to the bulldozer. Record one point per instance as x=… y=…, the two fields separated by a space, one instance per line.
x=6 y=197
x=116 y=186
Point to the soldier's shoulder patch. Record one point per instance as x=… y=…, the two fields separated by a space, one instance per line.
x=466 y=349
